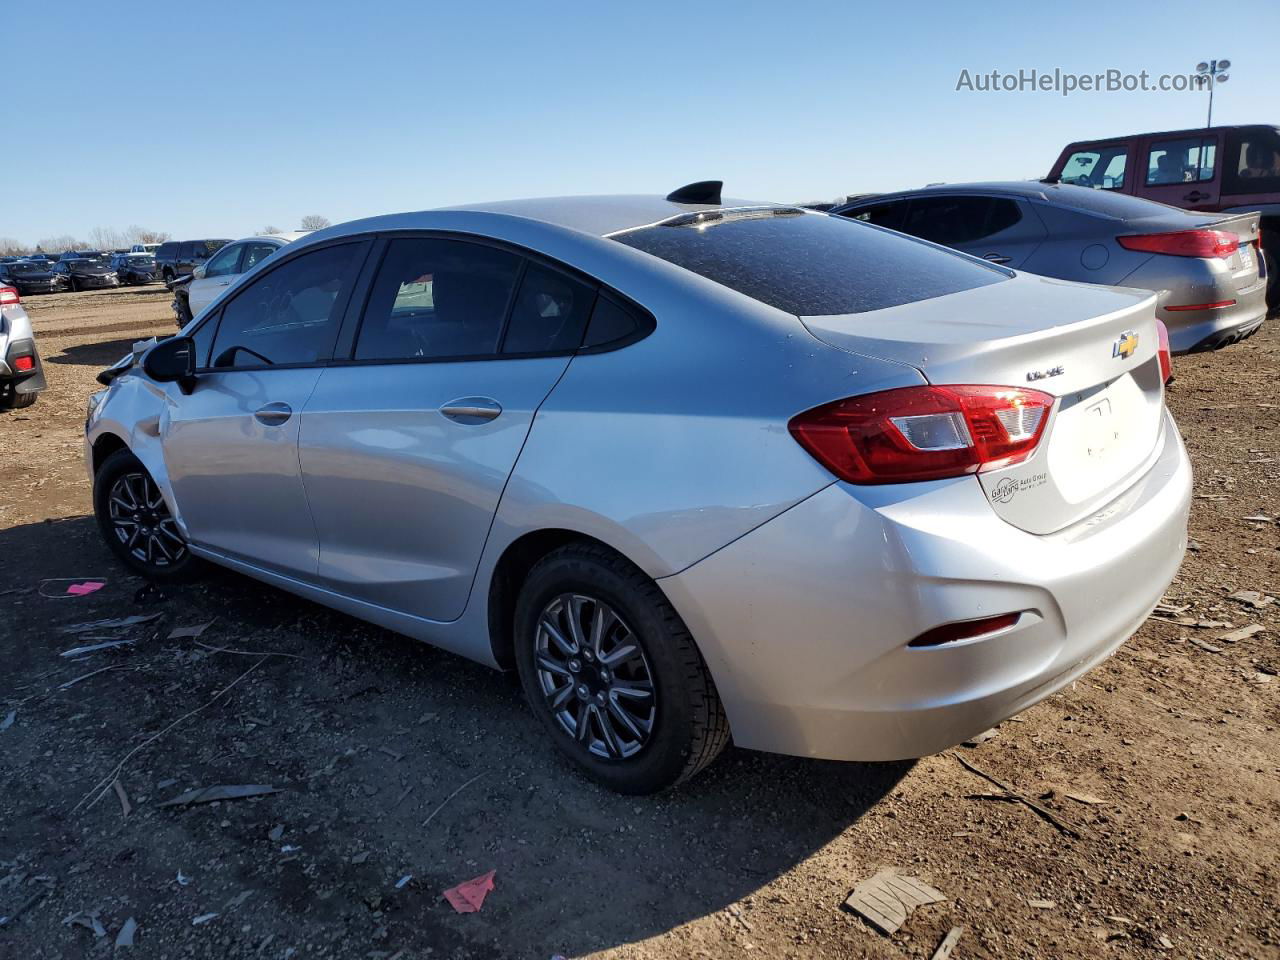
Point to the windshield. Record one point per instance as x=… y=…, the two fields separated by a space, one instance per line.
x=141 y=259
x=20 y=269
x=809 y=264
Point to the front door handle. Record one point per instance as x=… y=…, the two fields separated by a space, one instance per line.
x=997 y=258
x=471 y=410
x=273 y=414
x=1196 y=196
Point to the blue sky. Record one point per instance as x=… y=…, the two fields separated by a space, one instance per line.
x=215 y=119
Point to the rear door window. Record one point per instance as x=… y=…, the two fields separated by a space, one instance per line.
x=808 y=264
x=954 y=221
x=435 y=298
x=550 y=312
x=1102 y=168
x=288 y=315
x=1187 y=160
x=1252 y=161
x=187 y=251
x=255 y=253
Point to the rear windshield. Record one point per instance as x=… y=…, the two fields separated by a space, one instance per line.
x=20 y=269
x=809 y=264
x=1107 y=203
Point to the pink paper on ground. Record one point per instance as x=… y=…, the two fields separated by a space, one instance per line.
x=89 y=586
x=467 y=897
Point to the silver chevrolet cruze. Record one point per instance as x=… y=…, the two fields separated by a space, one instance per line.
x=697 y=470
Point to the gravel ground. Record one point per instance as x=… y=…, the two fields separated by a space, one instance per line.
x=393 y=760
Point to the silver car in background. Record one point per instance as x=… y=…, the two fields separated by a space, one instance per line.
x=210 y=278
x=675 y=462
x=1206 y=268
x=21 y=372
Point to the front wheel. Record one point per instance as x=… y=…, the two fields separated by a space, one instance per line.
x=611 y=672
x=136 y=522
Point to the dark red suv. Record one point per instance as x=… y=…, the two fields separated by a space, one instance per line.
x=1227 y=169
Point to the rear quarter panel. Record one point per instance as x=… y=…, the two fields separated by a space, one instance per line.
x=676 y=445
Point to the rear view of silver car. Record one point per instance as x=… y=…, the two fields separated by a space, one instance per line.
x=676 y=463
x=21 y=372
x=1206 y=269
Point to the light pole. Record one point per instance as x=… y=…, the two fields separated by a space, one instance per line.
x=1214 y=72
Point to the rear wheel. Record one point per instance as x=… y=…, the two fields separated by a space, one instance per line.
x=612 y=673
x=136 y=522
x=10 y=399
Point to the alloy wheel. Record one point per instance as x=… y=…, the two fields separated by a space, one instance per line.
x=140 y=519
x=594 y=676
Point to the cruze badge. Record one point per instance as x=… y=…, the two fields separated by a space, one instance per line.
x=1034 y=375
x=1124 y=347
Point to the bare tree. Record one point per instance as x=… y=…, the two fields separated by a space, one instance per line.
x=137 y=234
x=10 y=246
x=107 y=238
x=60 y=243
x=267 y=230
x=313 y=221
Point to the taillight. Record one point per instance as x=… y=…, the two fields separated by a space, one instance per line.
x=1164 y=352
x=1184 y=243
x=23 y=364
x=923 y=433
x=9 y=295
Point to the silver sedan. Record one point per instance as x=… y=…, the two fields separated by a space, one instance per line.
x=1207 y=270
x=673 y=461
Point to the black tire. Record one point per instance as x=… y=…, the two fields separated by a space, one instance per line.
x=10 y=399
x=167 y=274
x=686 y=723
x=182 y=308
x=153 y=535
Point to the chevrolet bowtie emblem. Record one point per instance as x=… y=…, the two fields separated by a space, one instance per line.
x=1125 y=346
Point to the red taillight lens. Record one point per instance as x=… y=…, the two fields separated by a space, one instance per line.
x=923 y=433
x=1164 y=352
x=1184 y=243
x=9 y=295
x=23 y=364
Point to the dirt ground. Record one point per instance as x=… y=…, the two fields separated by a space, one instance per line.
x=394 y=761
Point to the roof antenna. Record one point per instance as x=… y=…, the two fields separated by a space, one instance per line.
x=704 y=191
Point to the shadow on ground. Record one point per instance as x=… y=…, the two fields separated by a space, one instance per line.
x=394 y=760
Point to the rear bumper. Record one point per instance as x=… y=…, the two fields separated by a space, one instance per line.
x=804 y=622
x=1195 y=330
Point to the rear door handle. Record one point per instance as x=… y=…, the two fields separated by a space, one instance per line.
x=273 y=414
x=471 y=410
x=997 y=258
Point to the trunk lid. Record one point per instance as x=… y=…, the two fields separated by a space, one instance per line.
x=1091 y=347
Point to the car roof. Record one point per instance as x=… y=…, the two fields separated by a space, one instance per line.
x=1192 y=132
x=596 y=215
x=287 y=236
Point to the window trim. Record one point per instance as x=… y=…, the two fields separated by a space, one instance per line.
x=354 y=321
x=325 y=352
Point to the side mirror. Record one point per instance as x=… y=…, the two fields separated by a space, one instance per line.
x=198 y=272
x=172 y=360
